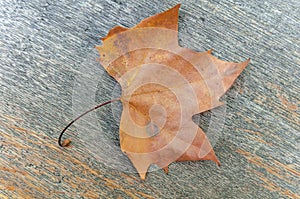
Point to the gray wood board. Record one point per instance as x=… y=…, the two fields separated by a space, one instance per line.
x=47 y=57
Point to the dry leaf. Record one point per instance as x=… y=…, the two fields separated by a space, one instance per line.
x=163 y=86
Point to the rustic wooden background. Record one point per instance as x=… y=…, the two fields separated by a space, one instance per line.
x=44 y=47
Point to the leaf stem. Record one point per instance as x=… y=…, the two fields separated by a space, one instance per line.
x=77 y=118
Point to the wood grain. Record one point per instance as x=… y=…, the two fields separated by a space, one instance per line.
x=44 y=47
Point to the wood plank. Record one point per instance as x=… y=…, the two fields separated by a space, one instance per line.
x=47 y=54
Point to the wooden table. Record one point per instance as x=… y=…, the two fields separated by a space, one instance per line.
x=49 y=74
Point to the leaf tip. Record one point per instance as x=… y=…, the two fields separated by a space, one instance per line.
x=248 y=60
x=166 y=169
x=209 y=51
x=143 y=175
x=177 y=6
x=115 y=30
x=244 y=64
x=141 y=162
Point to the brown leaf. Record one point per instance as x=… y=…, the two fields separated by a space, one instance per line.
x=163 y=86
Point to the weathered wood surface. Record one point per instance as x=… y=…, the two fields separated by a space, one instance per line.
x=44 y=45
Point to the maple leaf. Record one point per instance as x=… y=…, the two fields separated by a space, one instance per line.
x=163 y=86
